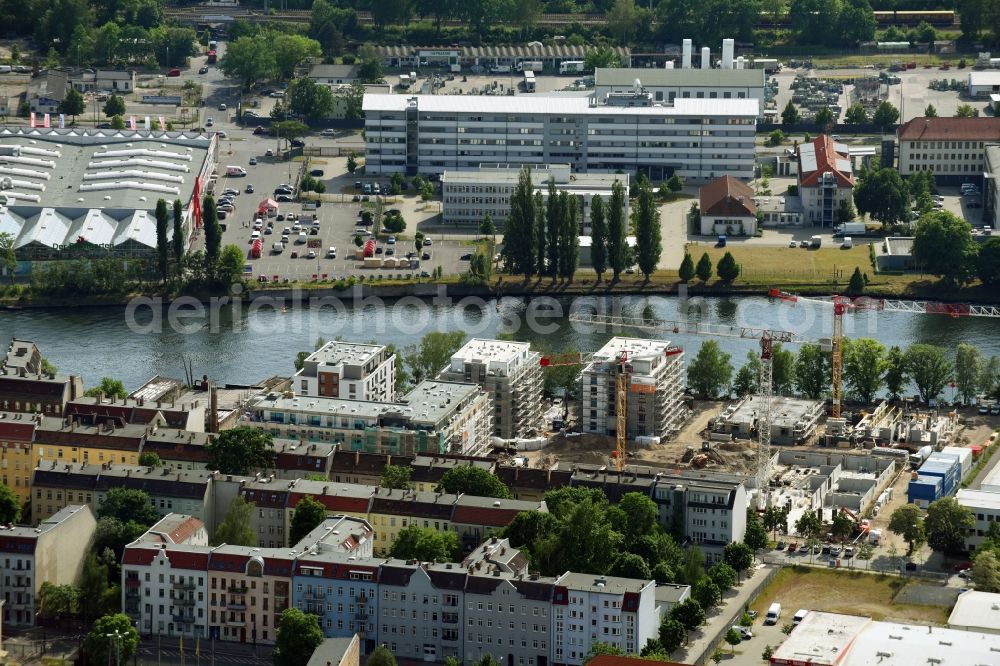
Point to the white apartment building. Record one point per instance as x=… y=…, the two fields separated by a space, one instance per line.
x=666 y=85
x=511 y=373
x=656 y=387
x=618 y=611
x=349 y=370
x=952 y=148
x=699 y=139
x=826 y=179
x=985 y=507
x=53 y=552
x=467 y=196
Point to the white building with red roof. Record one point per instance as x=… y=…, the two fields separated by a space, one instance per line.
x=826 y=179
x=951 y=148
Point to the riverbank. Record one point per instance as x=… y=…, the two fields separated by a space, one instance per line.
x=660 y=284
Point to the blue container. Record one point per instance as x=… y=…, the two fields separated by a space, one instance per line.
x=925 y=489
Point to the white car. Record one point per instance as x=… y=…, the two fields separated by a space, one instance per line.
x=332 y=252
x=277 y=94
x=209 y=122
x=328 y=132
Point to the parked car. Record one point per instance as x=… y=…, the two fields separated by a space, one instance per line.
x=269 y=152
x=253 y=161
x=277 y=94
x=744 y=633
x=249 y=189
x=258 y=130
x=283 y=198
x=316 y=173
x=222 y=107
x=427 y=242
x=328 y=132
x=203 y=70
x=209 y=122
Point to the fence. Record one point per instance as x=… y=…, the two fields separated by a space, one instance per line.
x=334 y=151
x=714 y=643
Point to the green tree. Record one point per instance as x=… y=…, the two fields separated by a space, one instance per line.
x=115 y=106
x=856 y=285
x=396 y=476
x=178 y=237
x=943 y=246
x=930 y=111
x=249 y=59
x=370 y=70
x=433 y=354
x=727 y=269
x=289 y=130
x=569 y=235
x=290 y=50
x=946 y=524
x=518 y=251
x=488 y=228
x=864 y=364
x=623 y=19
x=111 y=635
x=241 y=450
x=985 y=573
x=117 y=123
x=672 y=634
x=127 y=504
x=646 y=221
x=856 y=114
x=630 y=565
x=809 y=525
x=109 y=387
x=235 y=529
x=58 y=602
x=704 y=268
x=213 y=232
x=598 y=237
x=597 y=649
x=734 y=638
x=299 y=634
x=73 y=104
x=310 y=99
x=865 y=552
x=381 y=657
x=966 y=111
x=723 y=575
x=675 y=183
x=8 y=257
x=548 y=231
x=617 y=248
x=755 y=536
x=824 y=116
x=689 y=613
x=10 y=506
x=790 y=115
x=885 y=115
x=968 y=368
x=162 y=242
x=928 y=368
x=895 y=372
x=812 y=371
x=882 y=194
x=775 y=138
x=640 y=515
x=150 y=459
x=988 y=262
x=306 y=517
x=426 y=544
x=468 y=480
x=706 y=593
x=775 y=520
x=841 y=526
x=686 y=271
x=907 y=521
x=738 y=556
x=352 y=162
x=710 y=371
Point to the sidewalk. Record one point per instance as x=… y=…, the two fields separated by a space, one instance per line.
x=705 y=639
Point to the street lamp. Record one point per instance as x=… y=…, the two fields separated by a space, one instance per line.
x=116 y=640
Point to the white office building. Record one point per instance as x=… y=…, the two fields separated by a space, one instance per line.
x=666 y=85
x=951 y=148
x=985 y=508
x=656 y=386
x=699 y=139
x=467 y=196
x=348 y=370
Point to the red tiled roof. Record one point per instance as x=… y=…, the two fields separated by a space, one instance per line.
x=986 y=128
x=482 y=515
x=333 y=502
x=194 y=561
x=184 y=531
x=826 y=162
x=16 y=430
x=727 y=196
x=609 y=660
x=143 y=556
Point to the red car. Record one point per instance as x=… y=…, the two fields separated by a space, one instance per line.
x=258 y=130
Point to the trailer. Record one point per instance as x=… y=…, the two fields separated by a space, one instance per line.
x=850 y=229
x=917 y=459
x=530 y=65
x=529 y=81
x=212 y=57
x=769 y=65
x=571 y=67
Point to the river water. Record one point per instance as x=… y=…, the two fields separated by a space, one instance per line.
x=246 y=344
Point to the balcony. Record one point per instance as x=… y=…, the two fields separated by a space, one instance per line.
x=318 y=593
x=235 y=622
x=183 y=619
x=238 y=589
x=449 y=618
x=182 y=601
x=183 y=585
x=362 y=599
x=236 y=606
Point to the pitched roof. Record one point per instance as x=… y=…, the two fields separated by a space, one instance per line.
x=823 y=156
x=727 y=196
x=609 y=660
x=986 y=128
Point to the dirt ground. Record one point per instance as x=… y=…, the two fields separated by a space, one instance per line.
x=853 y=593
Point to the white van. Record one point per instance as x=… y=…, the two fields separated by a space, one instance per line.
x=235 y=171
x=848 y=243
x=800 y=615
x=773 y=614
x=302 y=237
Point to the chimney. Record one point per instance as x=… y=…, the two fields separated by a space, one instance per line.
x=214 y=407
x=706 y=58
x=686 y=57
x=357 y=458
x=728 y=48
x=100 y=398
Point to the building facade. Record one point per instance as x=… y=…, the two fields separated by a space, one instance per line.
x=25 y=386
x=951 y=148
x=511 y=373
x=727 y=208
x=348 y=370
x=655 y=390
x=468 y=196
x=698 y=139
x=17 y=430
x=826 y=180
x=666 y=85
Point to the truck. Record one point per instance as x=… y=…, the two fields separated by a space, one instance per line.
x=571 y=67
x=875 y=537
x=917 y=459
x=533 y=65
x=212 y=57
x=404 y=81
x=850 y=229
x=816 y=241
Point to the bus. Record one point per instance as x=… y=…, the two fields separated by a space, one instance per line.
x=529 y=81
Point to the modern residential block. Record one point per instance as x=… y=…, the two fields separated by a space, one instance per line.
x=698 y=139
x=348 y=370
x=655 y=390
x=511 y=373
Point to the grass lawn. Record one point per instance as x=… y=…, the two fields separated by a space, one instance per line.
x=852 y=593
x=757 y=261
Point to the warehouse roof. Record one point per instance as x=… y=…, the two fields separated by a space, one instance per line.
x=528 y=104
x=688 y=78
x=976 y=611
x=986 y=128
x=528 y=51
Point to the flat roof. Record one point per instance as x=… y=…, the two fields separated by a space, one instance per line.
x=984 y=78
x=688 y=78
x=509 y=174
x=979 y=498
x=602 y=584
x=976 y=610
x=432 y=399
x=486 y=350
x=633 y=346
x=992 y=478
x=893 y=644
x=820 y=639
x=899 y=245
x=345 y=353
x=547 y=104
x=783 y=409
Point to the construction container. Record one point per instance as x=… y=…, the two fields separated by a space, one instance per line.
x=924 y=489
x=964 y=458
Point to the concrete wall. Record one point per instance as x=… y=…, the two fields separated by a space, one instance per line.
x=60 y=551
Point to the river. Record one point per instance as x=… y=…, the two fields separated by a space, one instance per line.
x=251 y=343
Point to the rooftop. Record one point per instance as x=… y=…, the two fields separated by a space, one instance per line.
x=822 y=156
x=893 y=644
x=331 y=651
x=672 y=593
x=50 y=523
x=603 y=584
x=727 y=196
x=509 y=174
x=528 y=51
x=986 y=128
x=976 y=610
x=174 y=528
x=481 y=350
x=324 y=71
x=820 y=639
x=979 y=498
x=898 y=245
x=551 y=104
x=345 y=353
x=784 y=410
x=688 y=78
x=634 y=347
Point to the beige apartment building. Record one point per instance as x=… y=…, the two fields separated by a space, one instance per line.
x=348 y=370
